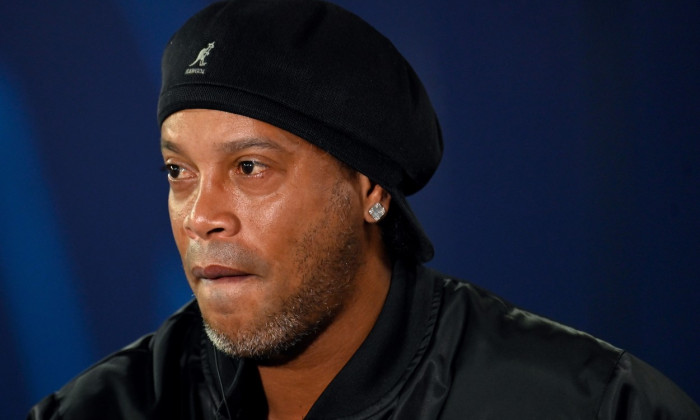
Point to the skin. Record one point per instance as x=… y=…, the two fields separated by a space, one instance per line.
x=271 y=227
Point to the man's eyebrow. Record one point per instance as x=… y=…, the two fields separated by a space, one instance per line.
x=238 y=145
x=167 y=144
x=232 y=146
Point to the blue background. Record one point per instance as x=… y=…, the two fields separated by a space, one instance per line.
x=570 y=183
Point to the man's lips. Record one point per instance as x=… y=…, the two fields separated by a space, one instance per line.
x=213 y=272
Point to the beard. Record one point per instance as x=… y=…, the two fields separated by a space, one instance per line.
x=327 y=259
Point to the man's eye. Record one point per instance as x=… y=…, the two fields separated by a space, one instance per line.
x=250 y=167
x=172 y=170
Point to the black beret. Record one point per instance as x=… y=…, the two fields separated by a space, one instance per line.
x=320 y=72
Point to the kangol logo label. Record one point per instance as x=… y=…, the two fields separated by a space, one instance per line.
x=196 y=66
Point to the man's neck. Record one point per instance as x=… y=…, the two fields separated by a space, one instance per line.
x=293 y=387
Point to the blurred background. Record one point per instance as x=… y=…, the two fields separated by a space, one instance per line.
x=570 y=183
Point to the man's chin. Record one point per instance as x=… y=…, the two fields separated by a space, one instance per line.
x=247 y=346
x=268 y=345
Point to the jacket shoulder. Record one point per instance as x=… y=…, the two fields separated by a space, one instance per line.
x=512 y=363
x=129 y=382
x=494 y=322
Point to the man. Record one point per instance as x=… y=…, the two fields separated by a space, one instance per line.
x=291 y=134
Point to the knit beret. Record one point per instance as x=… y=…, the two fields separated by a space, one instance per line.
x=320 y=72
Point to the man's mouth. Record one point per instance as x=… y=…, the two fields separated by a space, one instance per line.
x=215 y=272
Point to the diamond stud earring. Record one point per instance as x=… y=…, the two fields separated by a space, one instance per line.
x=377 y=211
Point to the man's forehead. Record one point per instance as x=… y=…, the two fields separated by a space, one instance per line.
x=226 y=132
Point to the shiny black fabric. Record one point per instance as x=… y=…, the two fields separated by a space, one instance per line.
x=441 y=349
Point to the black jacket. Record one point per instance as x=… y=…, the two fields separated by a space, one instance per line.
x=441 y=348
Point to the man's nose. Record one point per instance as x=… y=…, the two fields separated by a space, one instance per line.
x=211 y=213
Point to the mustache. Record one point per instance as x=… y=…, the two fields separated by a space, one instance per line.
x=224 y=254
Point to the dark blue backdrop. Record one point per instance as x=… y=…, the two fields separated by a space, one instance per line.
x=570 y=182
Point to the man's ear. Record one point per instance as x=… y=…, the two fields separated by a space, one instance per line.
x=376 y=200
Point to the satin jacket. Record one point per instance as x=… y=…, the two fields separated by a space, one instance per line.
x=441 y=349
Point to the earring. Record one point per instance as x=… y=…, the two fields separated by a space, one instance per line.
x=377 y=211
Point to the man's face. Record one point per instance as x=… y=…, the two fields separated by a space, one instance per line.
x=269 y=228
